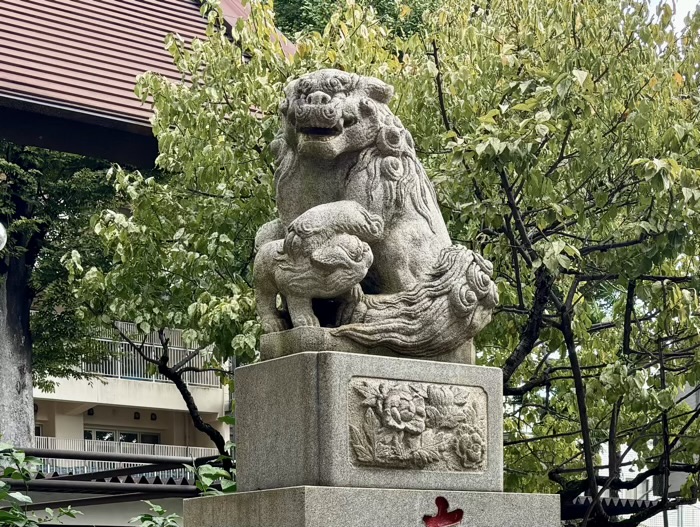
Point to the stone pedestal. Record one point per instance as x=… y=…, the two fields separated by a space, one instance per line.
x=350 y=420
x=297 y=340
x=358 y=507
x=339 y=439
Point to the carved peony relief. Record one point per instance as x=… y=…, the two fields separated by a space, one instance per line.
x=412 y=425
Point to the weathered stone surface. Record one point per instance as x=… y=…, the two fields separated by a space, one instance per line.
x=344 y=162
x=296 y=340
x=313 y=430
x=3 y=236
x=362 y=507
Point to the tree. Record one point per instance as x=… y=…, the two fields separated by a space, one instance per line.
x=563 y=141
x=46 y=200
x=405 y=18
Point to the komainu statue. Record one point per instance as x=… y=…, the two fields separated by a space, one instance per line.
x=360 y=245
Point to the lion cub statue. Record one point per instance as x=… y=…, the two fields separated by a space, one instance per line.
x=324 y=255
x=341 y=152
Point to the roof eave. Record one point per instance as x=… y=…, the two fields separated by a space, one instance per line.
x=57 y=126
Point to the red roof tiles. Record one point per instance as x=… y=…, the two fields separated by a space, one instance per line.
x=68 y=70
x=85 y=55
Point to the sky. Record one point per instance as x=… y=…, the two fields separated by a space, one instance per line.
x=683 y=7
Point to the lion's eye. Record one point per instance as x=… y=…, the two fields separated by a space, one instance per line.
x=338 y=83
x=305 y=86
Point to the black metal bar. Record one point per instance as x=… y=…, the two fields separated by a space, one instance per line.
x=102 y=500
x=576 y=509
x=125 y=471
x=113 y=456
x=100 y=487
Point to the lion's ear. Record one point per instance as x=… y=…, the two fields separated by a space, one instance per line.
x=378 y=90
x=290 y=88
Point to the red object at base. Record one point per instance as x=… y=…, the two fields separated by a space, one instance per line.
x=443 y=518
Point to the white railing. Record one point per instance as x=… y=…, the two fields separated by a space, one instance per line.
x=174 y=335
x=77 y=466
x=125 y=363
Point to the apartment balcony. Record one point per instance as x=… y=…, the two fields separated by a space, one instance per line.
x=77 y=466
x=124 y=378
x=124 y=363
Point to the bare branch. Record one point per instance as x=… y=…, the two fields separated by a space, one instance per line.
x=188 y=358
x=136 y=347
x=441 y=93
x=531 y=331
x=561 y=157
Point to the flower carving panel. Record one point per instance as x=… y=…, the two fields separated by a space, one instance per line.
x=413 y=425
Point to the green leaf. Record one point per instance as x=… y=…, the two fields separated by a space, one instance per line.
x=580 y=76
x=19 y=497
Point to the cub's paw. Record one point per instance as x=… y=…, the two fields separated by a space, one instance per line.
x=305 y=320
x=274 y=325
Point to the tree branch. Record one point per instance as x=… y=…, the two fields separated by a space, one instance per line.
x=581 y=402
x=188 y=358
x=561 y=157
x=530 y=333
x=611 y=246
x=441 y=94
x=199 y=423
x=629 y=311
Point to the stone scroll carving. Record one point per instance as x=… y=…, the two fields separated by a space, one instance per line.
x=410 y=425
x=360 y=245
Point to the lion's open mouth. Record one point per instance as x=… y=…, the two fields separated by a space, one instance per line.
x=321 y=132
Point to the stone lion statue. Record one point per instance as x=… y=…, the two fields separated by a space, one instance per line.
x=339 y=142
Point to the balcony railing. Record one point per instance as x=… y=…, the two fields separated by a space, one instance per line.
x=124 y=363
x=76 y=466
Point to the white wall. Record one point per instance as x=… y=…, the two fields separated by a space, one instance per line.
x=69 y=420
x=135 y=394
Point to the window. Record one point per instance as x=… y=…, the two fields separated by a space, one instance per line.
x=129 y=437
x=151 y=439
x=123 y=436
x=38 y=429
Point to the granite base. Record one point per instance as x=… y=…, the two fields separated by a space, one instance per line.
x=349 y=420
x=297 y=340
x=363 y=507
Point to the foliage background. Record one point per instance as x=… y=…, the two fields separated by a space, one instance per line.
x=562 y=138
x=46 y=200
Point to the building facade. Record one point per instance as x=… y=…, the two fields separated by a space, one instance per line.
x=650 y=489
x=125 y=409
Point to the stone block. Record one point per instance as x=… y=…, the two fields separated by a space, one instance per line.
x=362 y=507
x=308 y=338
x=350 y=420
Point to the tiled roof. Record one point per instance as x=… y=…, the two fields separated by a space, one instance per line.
x=84 y=56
